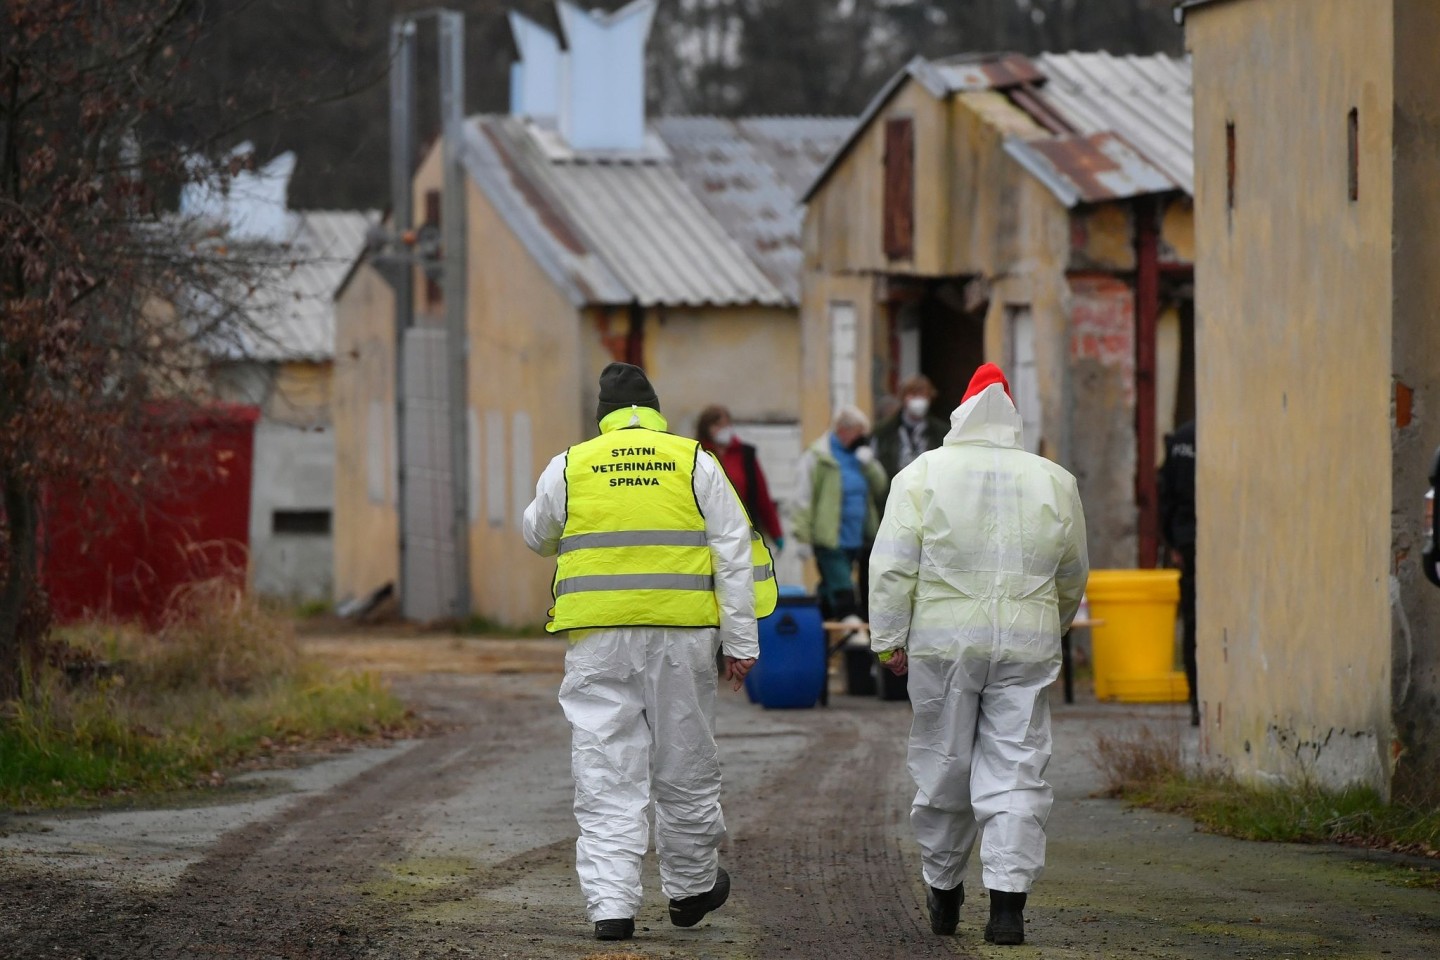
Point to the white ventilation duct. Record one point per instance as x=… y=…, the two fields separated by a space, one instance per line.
x=602 y=87
x=535 y=77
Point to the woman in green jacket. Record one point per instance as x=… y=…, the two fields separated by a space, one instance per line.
x=839 y=492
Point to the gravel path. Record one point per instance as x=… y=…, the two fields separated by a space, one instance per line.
x=461 y=845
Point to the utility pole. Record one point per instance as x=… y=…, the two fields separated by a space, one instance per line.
x=452 y=113
x=402 y=217
x=401 y=249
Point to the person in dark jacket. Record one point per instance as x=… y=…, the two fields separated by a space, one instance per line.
x=1177 y=526
x=902 y=437
x=717 y=435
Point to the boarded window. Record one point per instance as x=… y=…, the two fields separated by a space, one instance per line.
x=495 y=468
x=900 y=189
x=844 y=347
x=522 y=467
x=1354 y=138
x=376 y=460
x=434 y=295
x=1230 y=166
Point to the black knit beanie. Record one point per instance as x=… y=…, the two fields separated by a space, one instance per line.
x=624 y=385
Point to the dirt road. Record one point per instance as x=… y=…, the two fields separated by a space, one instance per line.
x=460 y=845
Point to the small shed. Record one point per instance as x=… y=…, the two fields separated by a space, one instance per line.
x=1035 y=212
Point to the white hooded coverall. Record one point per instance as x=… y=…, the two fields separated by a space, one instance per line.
x=641 y=705
x=977 y=570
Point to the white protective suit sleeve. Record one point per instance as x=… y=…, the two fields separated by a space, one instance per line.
x=545 y=517
x=728 y=531
x=895 y=566
x=1074 y=570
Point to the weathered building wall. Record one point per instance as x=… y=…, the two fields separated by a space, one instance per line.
x=366 y=532
x=822 y=292
x=526 y=378
x=292 y=490
x=989 y=231
x=1102 y=411
x=843 y=222
x=1416 y=357
x=746 y=358
x=1294 y=355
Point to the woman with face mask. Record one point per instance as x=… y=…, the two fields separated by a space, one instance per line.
x=913 y=430
x=717 y=435
x=839 y=489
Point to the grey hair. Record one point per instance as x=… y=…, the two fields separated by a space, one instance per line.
x=850 y=416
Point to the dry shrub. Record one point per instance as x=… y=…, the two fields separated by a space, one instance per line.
x=217 y=636
x=1135 y=761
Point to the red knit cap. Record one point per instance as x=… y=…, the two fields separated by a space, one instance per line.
x=985 y=376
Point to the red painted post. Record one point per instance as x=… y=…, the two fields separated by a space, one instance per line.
x=1147 y=317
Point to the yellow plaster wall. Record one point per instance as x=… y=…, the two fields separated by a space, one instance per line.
x=525 y=356
x=820 y=290
x=301 y=395
x=746 y=358
x=1293 y=351
x=366 y=532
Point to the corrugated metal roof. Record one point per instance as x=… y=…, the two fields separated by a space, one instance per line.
x=1148 y=101
x=749 y=173
x=290 y=309
x=713 y=220
x=1091 y=169
x=1145 y=102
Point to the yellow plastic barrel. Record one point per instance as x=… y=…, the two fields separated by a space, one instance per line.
x=1133 y=643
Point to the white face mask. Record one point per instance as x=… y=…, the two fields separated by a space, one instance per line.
x=917 y=407
x=723 y=436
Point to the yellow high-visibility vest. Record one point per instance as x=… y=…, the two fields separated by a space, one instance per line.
x=634 y=550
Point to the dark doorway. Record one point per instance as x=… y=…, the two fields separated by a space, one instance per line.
x=938 y=329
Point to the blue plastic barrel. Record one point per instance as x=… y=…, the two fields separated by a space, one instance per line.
x=790 y=673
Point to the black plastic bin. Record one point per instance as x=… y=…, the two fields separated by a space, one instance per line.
x=860 y=672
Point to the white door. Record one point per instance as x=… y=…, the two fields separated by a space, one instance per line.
x=1024 y=375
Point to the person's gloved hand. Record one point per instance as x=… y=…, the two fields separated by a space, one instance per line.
x=735 y=670
x=865 y=454
x=897 y=663
x=779 y=543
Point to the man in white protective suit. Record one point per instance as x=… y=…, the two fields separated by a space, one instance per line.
x=657 y=566
x=977 y=572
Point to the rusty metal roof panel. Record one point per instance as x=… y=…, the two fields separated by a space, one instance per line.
x=503 y=170
x=617 y=230
x=1093 y=169
x=1147 y=101
x=969 y=73
x=749 y=174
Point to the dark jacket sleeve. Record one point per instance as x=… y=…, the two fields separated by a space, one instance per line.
x=769 y=519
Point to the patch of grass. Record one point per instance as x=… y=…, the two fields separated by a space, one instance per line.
x=311 y=609
x=150 y=714
x=1146 y=769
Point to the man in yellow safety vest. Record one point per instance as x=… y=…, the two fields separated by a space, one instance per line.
x=657 y=565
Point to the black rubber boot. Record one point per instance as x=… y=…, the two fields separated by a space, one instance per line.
x=691 y=910
x=1007 y=919
x=944 y=909
x=614 y=929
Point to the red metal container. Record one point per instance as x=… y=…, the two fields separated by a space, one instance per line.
x=114 y=554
